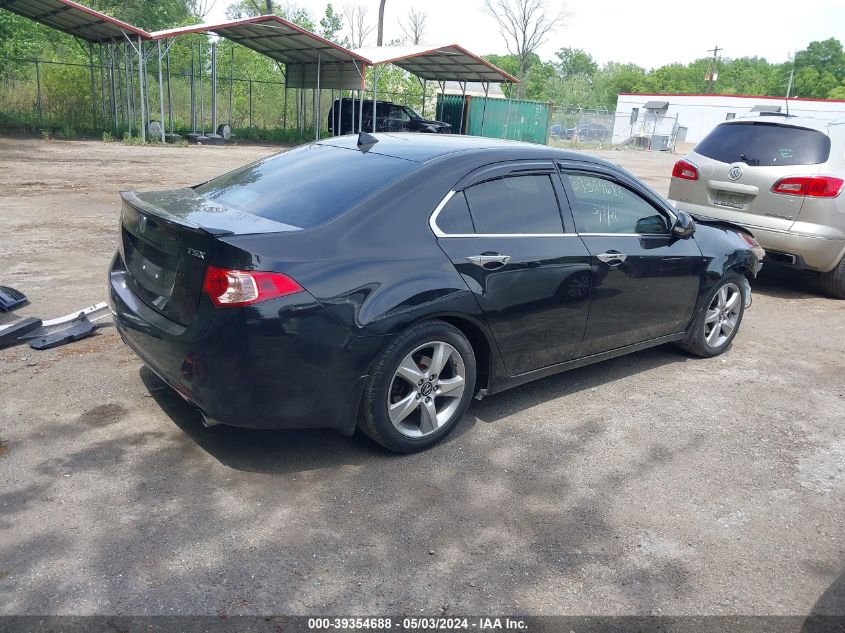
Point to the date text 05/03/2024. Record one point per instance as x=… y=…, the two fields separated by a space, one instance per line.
x=418 y=624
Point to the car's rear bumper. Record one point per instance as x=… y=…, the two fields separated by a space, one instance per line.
x=820 y=252
x=283 y=363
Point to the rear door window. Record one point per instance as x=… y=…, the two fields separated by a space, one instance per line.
x=306 y=186
x=515 y=205
x=765 y=145
x=454 y=218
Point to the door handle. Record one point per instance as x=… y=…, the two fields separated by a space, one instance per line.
x=488 y=260
x=612 y=258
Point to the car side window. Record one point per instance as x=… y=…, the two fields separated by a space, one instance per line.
x=454 y=217
x=601 y=205
x=515 y=205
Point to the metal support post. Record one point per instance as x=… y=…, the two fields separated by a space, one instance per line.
x=93 y=88
x=231 y=82
x=484 y=109
x=169 y=94
x=193 y=93
x=361 y=109
x=142 y=82
x=507 y=116
x=160 y=92
x=463 y=106
x=425 y=82
x=200 y=64
x=375 y=96
x=114 y=84
x=213 y=88
x=38 y=92
x=317 y=109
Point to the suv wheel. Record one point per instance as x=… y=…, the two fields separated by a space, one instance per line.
x=833 y=281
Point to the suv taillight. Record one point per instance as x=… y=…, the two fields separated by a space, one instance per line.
x=812 y=186
x=685 y=171
x=245 y=287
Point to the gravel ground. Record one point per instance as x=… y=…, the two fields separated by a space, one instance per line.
x=653 y=483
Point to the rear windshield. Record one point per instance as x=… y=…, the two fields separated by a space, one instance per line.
x=765 y=144
x=306 y=186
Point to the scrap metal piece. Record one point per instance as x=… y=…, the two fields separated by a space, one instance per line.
x=11 y=298
x=94 y=313
x=12 y=333
x=78 y=329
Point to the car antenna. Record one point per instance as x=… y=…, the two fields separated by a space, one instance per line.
x=366 y=141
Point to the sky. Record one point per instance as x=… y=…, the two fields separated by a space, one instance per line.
x=649 y=34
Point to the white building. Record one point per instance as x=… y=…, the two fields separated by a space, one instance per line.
x=655 y=116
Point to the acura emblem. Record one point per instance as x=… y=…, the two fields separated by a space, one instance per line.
x=142 y=224
x=735 y=173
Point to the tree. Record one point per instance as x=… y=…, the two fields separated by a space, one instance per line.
x=380 y=37
x=331 y=25
x=151 y=15
x=819 y=69
x=356 y=18
x=201 y=8
x=289 y=11
x=575 y=62
x=414 y=26
x=524 y=24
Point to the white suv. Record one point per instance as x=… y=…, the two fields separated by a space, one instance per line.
x=782 y=178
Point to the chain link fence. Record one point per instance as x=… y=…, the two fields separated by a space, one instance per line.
x=68 y=99
x=579 y=127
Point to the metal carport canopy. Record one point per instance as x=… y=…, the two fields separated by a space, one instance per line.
x=437 y=63
x=301 y=51
x=74 y=19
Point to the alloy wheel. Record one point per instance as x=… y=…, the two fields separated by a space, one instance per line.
x=722 y=315
x=426 y=389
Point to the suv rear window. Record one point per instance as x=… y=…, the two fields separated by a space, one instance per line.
x=305 y=186
x=765 y=144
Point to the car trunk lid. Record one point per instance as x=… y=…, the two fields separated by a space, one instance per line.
x=167 y=240
x=742 y=190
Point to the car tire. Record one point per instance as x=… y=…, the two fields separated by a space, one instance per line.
x=403 y=408
x=703 y=339
x=833 y=281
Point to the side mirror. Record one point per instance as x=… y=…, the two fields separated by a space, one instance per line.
x=684 y=225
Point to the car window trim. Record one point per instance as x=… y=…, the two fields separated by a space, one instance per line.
x=432 y=223
x=562 y=168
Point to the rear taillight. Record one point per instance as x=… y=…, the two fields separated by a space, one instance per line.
x=812 y=186
x=685 y=171
x=244 y=287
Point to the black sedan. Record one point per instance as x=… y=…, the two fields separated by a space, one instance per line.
x=381 y=282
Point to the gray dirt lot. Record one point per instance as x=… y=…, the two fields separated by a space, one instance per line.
x=654 y=483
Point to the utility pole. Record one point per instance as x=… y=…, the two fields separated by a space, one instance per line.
x=712 y=74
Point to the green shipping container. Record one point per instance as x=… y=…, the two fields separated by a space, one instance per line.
x=501 y=118
x=449 y=110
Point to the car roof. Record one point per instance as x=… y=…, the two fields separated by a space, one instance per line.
x=422 y=148
x=795 y=121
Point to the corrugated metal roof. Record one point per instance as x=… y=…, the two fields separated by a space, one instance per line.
x=274 y=37
x=437 y=63
x=289 y=44
x=74 y=19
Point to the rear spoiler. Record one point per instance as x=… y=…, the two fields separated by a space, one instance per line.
x=131 y=198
